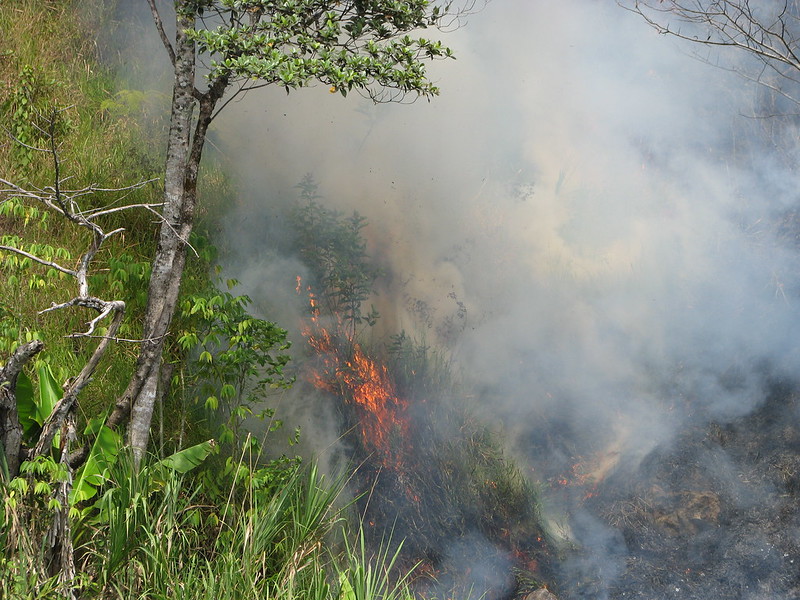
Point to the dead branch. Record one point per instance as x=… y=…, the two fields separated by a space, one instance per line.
x=63 y=407
x=22 y=355
x=66 y=203
x=771 y=34
x=10 y=427
x=41 y=261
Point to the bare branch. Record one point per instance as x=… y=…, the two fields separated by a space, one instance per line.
x=174 y=231
x=22 y=355
x=63 y=407
x=119 y=339
x=160 y=27
x=117 y=305
x=769 y=33
x=23 y=144
x=101 y=212
x=41 y=261
x=103 y=307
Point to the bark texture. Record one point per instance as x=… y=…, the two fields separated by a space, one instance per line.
x=10 y=428
x=185 y=144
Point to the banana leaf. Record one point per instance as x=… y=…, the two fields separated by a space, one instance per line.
x=189 y=458
x=94 y=472
x=50 y=392
x=26 y=406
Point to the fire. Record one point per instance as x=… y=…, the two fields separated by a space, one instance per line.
x=588 y=473
x=585 y=475
x=373 y=393
x=346 y=370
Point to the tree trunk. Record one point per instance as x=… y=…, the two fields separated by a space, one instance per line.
x=184 y=152
x=178 y=216
x=10 y=428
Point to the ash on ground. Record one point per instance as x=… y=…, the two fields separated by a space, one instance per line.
x=713 y=516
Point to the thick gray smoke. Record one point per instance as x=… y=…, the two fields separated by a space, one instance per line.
x=589 y=192
x=598 y=200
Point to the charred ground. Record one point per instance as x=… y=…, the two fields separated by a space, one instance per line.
x=711 y=515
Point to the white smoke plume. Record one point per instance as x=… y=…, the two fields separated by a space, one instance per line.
x=600 y=205
x=585 y=188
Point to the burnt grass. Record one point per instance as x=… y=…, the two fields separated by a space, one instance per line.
x=437 y=479
x=468 y=518
x=713 y=516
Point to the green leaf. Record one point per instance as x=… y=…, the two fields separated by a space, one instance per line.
x=188 y=459
x=92 y=474
x=49 y=392
x=26 y=405
x=346 y=591
x=94 y=425
x=42 y=488
x=19 y=484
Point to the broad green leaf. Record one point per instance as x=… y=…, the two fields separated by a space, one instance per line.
x=346 y=591
x=94 y=425
x=92 y=474
x=26 y=405
x=186 y=460
x=49 y=392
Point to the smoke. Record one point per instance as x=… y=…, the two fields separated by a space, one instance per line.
x=587 y=191
x=587 y=219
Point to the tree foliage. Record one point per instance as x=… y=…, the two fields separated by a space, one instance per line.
x=332 y=246
x=359 y=44
x=235 y=358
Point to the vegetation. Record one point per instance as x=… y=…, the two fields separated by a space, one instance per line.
x=205 y=514
x=208 y=519
x=352 y=45
x=429 y=470
x=157 y=533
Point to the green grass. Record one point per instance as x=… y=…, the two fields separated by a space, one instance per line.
x=258 y=531
x=158 y=535
x=47 y=62
x=108 y=137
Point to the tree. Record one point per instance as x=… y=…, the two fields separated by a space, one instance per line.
x=333 y=248
x=362 y=45
x=768 y=30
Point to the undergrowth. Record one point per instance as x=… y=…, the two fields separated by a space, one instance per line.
x=209 y=520
x=223 y=525
x=159 y=534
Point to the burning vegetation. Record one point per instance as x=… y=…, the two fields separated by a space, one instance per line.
x=707 y=515
x=466 y=514
x=429 y=472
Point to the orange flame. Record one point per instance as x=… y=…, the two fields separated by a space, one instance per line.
x=346 y=370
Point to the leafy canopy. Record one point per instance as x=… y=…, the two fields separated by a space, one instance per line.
x=356 y=44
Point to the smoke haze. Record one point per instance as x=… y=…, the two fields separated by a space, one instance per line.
x=595 y=198
x=587 y=220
